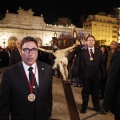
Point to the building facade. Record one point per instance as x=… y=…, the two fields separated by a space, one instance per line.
x=17 y=26
x=103 y=27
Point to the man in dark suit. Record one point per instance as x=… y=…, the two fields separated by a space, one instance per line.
x=15 y=55
x=22 y=95
x=112 y=91
x=87 y=63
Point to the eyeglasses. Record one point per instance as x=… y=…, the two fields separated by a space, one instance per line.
x=27 y=50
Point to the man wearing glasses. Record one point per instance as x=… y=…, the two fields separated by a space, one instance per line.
x=26 y=87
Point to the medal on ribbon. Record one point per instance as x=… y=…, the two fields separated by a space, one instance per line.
x=91 y=55
x=31 y=96
x=91 y=59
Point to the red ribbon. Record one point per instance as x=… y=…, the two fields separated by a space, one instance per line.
x=31 y=85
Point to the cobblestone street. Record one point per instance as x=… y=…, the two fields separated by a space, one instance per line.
x=60 y=109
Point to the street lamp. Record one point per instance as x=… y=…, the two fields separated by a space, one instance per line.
x=74 y=34
x=55 y=34
x=4 y=40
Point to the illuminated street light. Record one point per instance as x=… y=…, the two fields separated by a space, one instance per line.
x=4 y=40
x=55 y=34
x=74 y=34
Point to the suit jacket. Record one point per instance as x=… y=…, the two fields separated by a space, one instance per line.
x=86 y=67
x=14 y=57
x=112 y=90
x=14 y=91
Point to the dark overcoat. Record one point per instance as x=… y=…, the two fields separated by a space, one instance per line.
x=112 y=90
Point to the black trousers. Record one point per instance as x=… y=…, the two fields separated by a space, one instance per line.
x=117 y=117
x=90 y=86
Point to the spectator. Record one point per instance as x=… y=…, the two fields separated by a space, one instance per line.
x=103 y=70
x=112 y=91
x=15 y=55
x=75 y=75
x=70 y=58
x=113 y=49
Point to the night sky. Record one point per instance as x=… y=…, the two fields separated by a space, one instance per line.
x=54 y=9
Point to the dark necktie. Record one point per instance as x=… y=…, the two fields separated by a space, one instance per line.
x=91 y=53
x=32 y=78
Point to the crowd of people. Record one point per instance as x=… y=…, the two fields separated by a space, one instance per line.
x=95 y=69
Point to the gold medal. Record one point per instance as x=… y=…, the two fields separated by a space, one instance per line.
x=33 y=86
x=31 y=97
x=91 y=58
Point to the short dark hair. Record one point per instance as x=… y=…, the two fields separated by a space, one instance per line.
x=28 y=39
x=105 y=47
x=90 y=36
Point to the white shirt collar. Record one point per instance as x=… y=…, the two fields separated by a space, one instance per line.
x=93 y=49
x=27 y=72
x=27 y=66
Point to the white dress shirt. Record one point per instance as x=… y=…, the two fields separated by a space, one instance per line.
x=35 y=71
x=93 y=49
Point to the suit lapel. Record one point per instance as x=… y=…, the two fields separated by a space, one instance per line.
x=40 y=76
x=22 y=77
x=95 y=53
x=87 y=55
x=41 y=73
